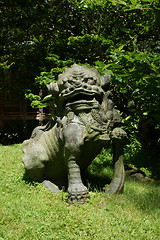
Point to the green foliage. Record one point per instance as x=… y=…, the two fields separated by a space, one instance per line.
x=29 y=211
x=100 y=171
x=5 y=66
x=136 y=84
x=88 y=48
x=35 y=99
x=44 y=78
x=57 y=66
x=119 y=37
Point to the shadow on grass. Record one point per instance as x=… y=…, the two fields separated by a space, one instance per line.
x=28 y=180
x=98 y=175
x=94 y=181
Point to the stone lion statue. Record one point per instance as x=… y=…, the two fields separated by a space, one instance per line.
x=85 y=122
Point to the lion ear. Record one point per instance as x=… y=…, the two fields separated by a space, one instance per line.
x=53 y=88
x=105 y=80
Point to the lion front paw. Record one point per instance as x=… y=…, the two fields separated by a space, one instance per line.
x=77 y=193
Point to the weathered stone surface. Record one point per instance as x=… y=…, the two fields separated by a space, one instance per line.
x=135 y=173
x=51 y=186
x=85 y=121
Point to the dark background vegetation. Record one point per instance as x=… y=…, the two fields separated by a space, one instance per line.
x=38 y=39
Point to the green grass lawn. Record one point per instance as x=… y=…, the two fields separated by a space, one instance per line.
x=29 y=211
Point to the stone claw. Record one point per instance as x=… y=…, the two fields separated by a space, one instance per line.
x=77 y=195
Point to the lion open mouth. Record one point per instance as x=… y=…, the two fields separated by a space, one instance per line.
x=82 y=98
